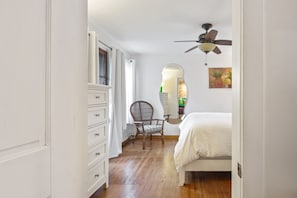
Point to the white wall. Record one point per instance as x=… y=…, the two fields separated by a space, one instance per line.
x=105 y=37
x=200 y=97
x=269 y=99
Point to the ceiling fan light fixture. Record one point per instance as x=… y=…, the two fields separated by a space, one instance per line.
x=207 y=47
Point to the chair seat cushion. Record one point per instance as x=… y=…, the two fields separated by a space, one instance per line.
x=150 y=128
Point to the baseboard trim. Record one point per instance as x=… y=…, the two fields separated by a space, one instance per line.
x=125 y=142
x=157 y=137
x=166 y=137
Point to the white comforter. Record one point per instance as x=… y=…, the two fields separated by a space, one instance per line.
x=203 y=135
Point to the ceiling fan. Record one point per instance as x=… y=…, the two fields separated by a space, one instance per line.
x=207 y=40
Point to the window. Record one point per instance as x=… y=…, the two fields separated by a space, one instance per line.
x=103 y=67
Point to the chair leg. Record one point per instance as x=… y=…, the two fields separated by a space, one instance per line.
x=162 y=137
x=143 y=141
x=135 y=137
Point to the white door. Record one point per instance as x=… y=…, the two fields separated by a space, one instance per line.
x=24 y=104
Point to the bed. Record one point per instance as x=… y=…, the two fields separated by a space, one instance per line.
x=204 y=143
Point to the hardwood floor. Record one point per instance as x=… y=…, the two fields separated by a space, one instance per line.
x=151 y=173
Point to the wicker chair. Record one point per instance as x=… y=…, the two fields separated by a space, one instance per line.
x=142 y=113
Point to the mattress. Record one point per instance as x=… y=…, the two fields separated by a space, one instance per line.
x=203 y=135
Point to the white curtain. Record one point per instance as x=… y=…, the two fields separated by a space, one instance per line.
x=130 y=87
x=118 y=97
x=92 y=57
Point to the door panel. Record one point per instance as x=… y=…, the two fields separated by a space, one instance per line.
x=22 y=72
x=26 y=175
x=24 y=55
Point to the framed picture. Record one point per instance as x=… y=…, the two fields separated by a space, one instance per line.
x=220 y=77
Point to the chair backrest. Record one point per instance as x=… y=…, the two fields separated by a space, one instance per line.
x=142 y=111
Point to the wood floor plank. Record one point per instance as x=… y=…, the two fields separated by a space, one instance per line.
x=151 y=173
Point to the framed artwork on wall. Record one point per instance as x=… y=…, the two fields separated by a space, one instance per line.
x=220 y=77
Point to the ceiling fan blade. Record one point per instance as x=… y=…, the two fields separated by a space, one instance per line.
x=191 y=49
x=211 y=35
x=216 y=50
x=201 y=40
x=223 y=42
x=185 y=41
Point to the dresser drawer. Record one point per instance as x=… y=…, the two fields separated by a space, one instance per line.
x=97 y=134
x=97 y=175
x=97 y=97
x=97 y=115
x=96 y=152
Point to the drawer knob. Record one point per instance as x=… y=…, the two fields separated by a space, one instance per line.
x=98 y=153
x=97 y=97
x=97 y=175
x=97 y=134
x=97 y=115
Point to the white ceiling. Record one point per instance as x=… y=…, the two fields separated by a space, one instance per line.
x=151 y=26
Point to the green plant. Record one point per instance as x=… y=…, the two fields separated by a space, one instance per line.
x=229 y=75
x=217 y=74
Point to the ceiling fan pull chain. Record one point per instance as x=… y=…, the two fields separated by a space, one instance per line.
x=205 y=60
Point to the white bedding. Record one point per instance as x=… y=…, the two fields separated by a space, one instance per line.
x=203 y=135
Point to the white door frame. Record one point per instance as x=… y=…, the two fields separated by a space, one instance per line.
x=237 y=103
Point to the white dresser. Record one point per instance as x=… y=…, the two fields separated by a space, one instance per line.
x=98 y=104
